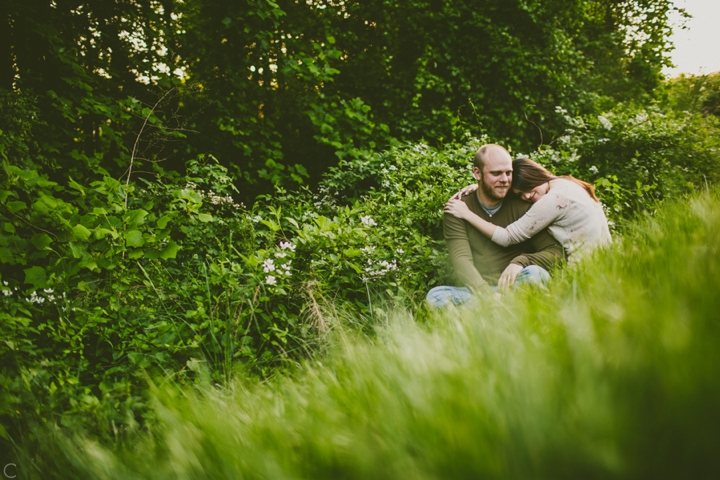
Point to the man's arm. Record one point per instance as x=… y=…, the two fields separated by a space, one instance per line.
x=460 y=253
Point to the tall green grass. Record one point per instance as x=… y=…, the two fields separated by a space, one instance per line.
x=612 y=372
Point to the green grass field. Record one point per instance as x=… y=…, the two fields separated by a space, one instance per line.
x=613 y=372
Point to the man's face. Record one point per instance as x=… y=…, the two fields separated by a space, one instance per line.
x=496 y=177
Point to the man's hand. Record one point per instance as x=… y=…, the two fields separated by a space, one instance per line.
x=507 y=279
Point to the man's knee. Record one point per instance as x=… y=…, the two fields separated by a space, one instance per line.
x=533 y=275
x=439 y=297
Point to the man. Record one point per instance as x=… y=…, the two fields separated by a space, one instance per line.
x=478 y=262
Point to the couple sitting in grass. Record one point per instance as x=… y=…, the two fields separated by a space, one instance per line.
x=499 y=240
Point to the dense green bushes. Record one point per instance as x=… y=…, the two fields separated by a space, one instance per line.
x=109 y=282
x=609 y=373
x=637 y=156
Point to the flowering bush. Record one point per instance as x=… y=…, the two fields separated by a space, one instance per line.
x=106 y=284
x=636 y=156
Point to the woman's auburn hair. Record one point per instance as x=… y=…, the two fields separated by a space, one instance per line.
x=528 y=174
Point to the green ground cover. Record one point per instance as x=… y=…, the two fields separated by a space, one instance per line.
x=609 y=373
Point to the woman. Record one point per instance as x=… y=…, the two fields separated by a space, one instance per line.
x=568 y=207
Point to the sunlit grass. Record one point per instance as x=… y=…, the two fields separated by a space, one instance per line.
x=611 y=372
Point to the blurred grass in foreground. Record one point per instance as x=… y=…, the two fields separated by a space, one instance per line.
x=611 y=373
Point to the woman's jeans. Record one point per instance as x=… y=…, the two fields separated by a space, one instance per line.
x=444 y=295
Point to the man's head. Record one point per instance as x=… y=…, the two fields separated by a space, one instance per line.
x=493 y=171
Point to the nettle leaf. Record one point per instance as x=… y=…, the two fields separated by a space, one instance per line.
x=205 y=217
x=80 y=232
x=135 y=218
x=73 y=184
x=163 y=221
x=102 y=232
x=15 y=207
x=4 y=194
x=36 y=276
x=6 y=256
x=170 y=251
x=78 y=251
x=135 y=254
x=188 y=194
x=90 y=264
x=41 y=241
x=133 y=238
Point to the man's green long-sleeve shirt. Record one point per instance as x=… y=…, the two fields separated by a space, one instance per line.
x=477 y=260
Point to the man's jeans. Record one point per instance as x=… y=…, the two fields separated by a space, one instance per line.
x=444 y=295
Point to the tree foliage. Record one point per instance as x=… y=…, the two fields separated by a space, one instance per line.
x=277 y=91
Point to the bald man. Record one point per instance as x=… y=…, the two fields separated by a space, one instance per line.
x=477 y=261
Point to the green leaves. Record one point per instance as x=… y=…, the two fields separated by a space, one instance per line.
x=170 y=251
x=133 y=238
x=81 y=233
x=36 y=276
x=135 y=218
x=41 y=241
x=16 y=206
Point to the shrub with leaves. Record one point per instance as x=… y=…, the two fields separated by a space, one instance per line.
x=107 y=283
x=636 y=156
x=95 y=291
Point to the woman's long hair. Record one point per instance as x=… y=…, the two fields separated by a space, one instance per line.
x=528 y=175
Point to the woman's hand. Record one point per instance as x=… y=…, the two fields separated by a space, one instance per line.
x=465 y=191
x=457 y=208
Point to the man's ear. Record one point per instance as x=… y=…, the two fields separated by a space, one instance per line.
x=477 y=173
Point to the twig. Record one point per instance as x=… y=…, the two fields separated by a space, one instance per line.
x=536 y=125
x=30 y=224
x=137 y=140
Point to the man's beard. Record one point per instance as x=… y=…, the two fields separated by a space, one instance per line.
x=489 y=192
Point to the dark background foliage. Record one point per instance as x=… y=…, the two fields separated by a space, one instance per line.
x=278 y=91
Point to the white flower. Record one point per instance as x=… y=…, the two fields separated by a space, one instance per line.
x=270 y=280
x=287 y=245
x=268 y=265
x=380 y=268
x=280 y=254
x=368 y=221
x=594 y=169
x=420 y=148
x=605 y=122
